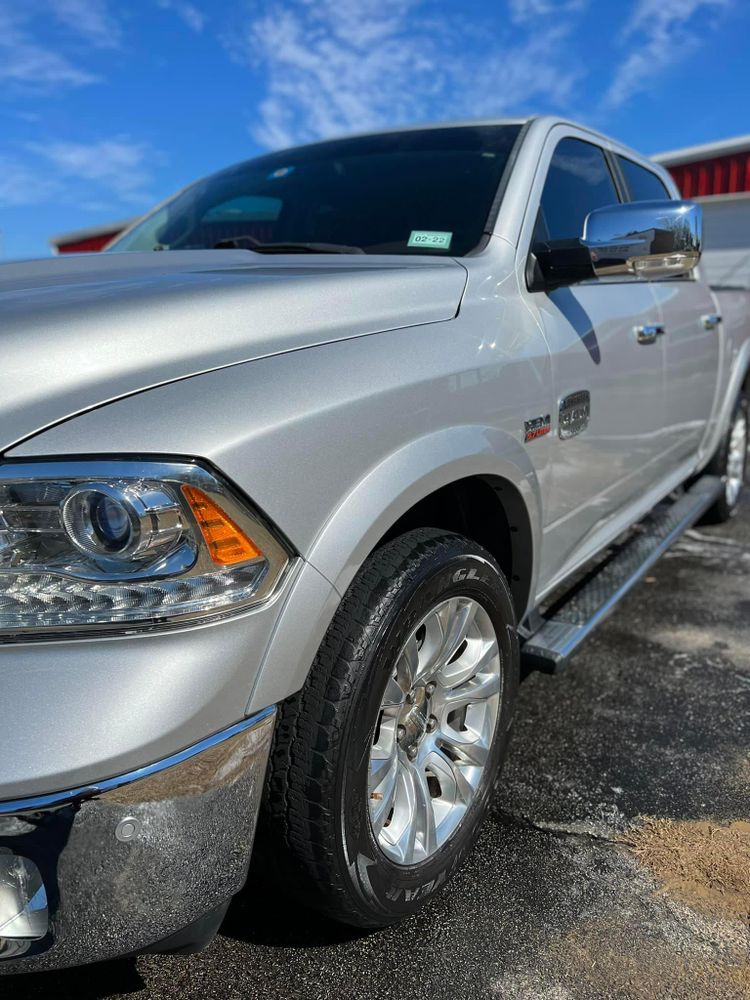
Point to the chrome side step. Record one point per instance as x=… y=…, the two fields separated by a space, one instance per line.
x=570 y=619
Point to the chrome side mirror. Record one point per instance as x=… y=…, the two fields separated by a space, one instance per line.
x=650 y=239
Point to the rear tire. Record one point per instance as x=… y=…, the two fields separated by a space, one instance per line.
x=366 y=709
x=730 y=462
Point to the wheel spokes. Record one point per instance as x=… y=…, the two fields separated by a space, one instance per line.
x=383 y=782
x=417 y=839
x=458 y=616
x=478 y=688
x=407 y=667
x=394 y=694
x=454 y=784
x=435 y=730
x=424 y=813
x=470 y=746
x=475 y=659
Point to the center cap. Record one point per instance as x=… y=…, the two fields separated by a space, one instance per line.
x=414 y=718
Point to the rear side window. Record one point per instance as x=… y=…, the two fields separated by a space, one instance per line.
x=578 y=181
x=643 y=185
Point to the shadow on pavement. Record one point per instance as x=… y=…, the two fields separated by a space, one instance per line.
x=95 y=982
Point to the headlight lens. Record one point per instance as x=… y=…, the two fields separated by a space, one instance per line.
x=109 y=544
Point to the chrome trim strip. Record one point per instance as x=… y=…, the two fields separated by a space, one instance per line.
x=56 y=799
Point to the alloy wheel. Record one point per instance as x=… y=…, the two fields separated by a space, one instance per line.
x=736 y=459
x=435 y=730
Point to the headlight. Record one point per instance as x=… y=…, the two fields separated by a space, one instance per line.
x=112 y=545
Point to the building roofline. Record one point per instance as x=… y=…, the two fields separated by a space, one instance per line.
x=91 y=232
x=688 y=154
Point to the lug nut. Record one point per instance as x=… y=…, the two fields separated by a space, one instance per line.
x=401 y=732
x=430 y=688
x=411 y=753
x=431 y=724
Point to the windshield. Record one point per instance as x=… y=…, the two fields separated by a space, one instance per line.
x=424 y=191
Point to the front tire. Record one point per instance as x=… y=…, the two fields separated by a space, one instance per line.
x=383 y=765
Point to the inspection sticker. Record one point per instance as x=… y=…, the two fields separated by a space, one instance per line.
x=430 y=238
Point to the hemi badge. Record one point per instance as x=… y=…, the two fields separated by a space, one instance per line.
x=536 y=428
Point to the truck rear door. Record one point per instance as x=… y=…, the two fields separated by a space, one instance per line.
x=688 y=316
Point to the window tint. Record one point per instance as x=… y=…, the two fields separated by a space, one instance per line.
x=244 y=209
x=642 y=184
x=411 y=192
x=578 y=181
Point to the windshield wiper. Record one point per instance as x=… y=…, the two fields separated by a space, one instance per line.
x=250 y=243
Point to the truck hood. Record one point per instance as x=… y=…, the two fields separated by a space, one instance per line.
x=80 y=331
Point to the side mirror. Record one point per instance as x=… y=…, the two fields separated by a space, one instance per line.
x=649 y=239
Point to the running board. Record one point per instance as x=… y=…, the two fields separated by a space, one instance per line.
x=567 y=622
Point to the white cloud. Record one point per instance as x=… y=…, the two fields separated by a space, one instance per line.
x=22 y=185
x=526 y=10
x=188 y=12
x=91 y=19
x=659 y=34
x=116 y=166
x=336 y=66
x=26 y=62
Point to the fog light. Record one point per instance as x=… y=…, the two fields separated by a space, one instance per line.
x=23 y=904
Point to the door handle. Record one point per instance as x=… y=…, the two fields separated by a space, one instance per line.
x=710 y=321
x=648 y=333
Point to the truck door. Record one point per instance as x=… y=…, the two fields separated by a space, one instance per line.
x=687 y=314
x=606 y=358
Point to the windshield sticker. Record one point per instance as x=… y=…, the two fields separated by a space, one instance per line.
x=429 y=238
x=281 y=172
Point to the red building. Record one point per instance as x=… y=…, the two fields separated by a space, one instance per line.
x=90 y=239
x=717 y=176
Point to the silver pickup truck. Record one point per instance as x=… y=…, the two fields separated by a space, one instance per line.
x=286 y=506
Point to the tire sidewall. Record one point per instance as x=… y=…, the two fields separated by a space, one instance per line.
x=384 y=890
x=743 y=407
x=723 y=510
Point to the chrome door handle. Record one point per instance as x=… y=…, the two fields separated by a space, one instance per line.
x=710 y=321
x=647 y=334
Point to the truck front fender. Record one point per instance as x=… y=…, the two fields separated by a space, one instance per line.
x=387 y=492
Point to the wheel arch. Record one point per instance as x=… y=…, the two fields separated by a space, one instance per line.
x=438 y=473
x=491 y=511
x=426 y=476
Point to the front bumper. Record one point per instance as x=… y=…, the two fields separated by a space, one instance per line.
x=131 y=861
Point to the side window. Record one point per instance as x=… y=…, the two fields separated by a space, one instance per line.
x=643 y=185
x=578 y=181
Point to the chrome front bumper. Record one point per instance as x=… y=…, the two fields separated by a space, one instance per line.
x=132 y=860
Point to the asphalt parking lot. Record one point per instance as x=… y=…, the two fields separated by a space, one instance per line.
x=607 y=868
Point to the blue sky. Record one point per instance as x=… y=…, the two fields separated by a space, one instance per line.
x=107 y=106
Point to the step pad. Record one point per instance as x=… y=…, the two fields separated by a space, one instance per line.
x=567 y=623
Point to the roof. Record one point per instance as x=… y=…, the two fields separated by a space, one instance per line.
x=709 y=150
x=91 y=232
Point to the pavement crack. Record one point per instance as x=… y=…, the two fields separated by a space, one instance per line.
x=585 y=830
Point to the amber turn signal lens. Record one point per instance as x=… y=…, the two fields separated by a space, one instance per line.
x=227 y=544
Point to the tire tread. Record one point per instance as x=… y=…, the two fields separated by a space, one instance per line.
x=298 y=830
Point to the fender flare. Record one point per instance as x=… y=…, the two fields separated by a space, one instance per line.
x=407 y=476
x=364 y=516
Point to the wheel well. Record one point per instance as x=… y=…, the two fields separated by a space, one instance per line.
x=489 y=510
